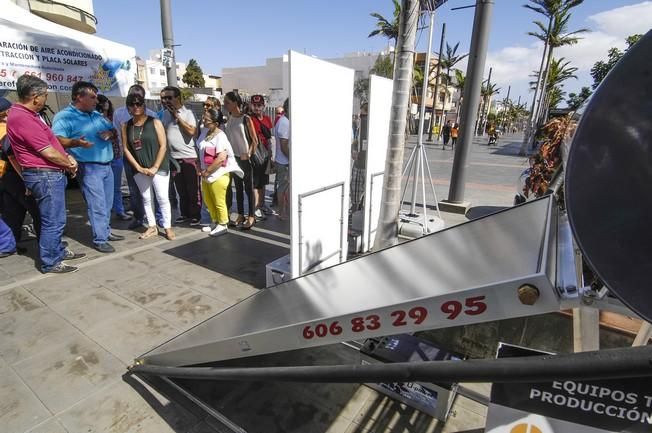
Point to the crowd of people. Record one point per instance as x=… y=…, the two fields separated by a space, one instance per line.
x=173 y=164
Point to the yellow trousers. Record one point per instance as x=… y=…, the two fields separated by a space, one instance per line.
x=214 y=195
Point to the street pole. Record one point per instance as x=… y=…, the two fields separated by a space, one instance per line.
x=168 y=41
x=422 y=113
x=475 y=68
x=436 y=89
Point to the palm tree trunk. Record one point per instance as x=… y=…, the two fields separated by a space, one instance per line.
x=544 y=90
x=529 y=133
x=387 y=234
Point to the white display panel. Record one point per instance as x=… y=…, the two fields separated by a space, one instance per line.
x=321 y=109
x=380 y=105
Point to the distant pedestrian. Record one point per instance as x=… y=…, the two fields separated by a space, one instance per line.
x=44 y=162
x=242 y=136
x=180 y=129
x=217 y=162
x=493 y=135
x=454 y=133
x=88 y=137
x=359 y=157
x=446 y=133
x=147 y=152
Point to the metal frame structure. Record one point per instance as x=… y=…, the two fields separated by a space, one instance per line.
x=340 y=251
x=402 y=289
x=371 y=204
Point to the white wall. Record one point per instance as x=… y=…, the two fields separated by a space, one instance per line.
x=380 y=105
x=320 y=156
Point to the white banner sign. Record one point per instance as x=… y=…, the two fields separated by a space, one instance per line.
x=60 y=56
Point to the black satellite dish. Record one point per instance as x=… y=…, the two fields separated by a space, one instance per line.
x=609 y=180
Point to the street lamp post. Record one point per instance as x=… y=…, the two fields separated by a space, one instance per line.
x=168 y=42
x=475 y=68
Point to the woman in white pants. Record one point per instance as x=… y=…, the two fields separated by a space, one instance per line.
x=146 y=150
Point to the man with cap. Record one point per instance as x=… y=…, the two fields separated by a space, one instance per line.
x=43 y=162
x=15 y=202
x=263 y=127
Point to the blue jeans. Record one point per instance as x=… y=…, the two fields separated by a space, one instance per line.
x=96 y=182
x=49 y=191
x=116 y=167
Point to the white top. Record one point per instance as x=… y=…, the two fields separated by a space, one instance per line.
x=181 y=145
x=221 y=143
x=121 y=115
x=236 y=133
x=282 y=130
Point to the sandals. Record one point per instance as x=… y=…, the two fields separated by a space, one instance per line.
x=151 y=231
x=169 y=234
x=239 y=221
x=249 y=224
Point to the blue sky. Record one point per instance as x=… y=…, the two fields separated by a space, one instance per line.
x=231 y=34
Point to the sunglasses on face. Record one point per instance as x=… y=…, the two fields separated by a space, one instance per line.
x=136 y=104
x=167 y=97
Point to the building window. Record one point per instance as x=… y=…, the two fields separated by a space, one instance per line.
x=152 y=71
x=162 y=72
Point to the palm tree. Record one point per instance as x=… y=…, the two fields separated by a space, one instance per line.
x=387 y=232
x=450 y=59
x=486 y=92
x=559 y=72
x=386 y=28
x=553 y=35
x=460 y=79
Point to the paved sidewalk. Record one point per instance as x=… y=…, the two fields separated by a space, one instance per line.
x=66 y=340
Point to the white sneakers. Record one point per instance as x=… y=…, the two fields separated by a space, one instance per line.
x=215 y=229
x=218 y=230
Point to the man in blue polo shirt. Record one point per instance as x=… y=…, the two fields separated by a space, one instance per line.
x=87 y=135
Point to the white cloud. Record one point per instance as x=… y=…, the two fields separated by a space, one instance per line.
x=626 y=20
x=513 y=65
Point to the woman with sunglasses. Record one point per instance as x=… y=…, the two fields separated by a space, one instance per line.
x=217 y=161
x=242 y=136
x=146 y=150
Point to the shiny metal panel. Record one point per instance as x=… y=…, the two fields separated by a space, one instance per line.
x=608 y=179
x=475 y=267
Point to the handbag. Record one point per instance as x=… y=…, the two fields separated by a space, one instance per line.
x=209 y=155
x=261 y=154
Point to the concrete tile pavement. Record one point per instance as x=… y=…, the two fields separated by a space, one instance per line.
x=66 y=340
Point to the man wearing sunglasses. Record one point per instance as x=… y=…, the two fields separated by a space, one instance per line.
x=88 y=135
x=180 y=129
